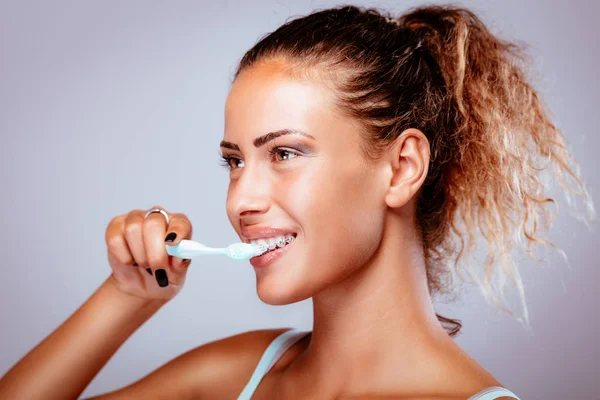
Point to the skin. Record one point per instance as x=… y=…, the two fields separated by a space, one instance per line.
x=357 y=252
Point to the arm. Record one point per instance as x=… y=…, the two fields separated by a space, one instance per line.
x=215 y=370
x=65 y=362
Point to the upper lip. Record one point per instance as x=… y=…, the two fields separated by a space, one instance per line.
x=261 y=232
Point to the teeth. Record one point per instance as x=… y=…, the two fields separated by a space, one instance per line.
x=272 y=243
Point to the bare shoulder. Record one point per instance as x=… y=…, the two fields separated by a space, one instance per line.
x=218 y=369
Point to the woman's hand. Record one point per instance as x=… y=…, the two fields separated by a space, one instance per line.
x=137 y=255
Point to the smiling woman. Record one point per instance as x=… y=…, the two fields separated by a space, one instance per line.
x=420 y=125
x=365 y=151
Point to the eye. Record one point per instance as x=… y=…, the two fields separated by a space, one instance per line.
x=280 y=154
x=286 y=154
x=229 y=162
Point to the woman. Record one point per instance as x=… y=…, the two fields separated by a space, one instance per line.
x=379 y=144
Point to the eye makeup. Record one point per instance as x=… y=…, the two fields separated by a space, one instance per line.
x=225 y=160
x=297 y=148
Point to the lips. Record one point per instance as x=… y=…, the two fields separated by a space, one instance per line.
x=269 y=257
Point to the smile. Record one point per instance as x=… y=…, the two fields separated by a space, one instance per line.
x=274 y=242
x=277 y=246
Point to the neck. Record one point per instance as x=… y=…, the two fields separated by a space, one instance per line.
x=378 y=325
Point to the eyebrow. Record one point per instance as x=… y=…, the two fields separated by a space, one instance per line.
x=259 y=141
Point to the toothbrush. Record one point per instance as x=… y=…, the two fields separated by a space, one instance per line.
x=236 y=251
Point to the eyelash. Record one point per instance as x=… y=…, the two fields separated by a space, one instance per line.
x=225 y=160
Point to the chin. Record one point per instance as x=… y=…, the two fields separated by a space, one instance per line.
x=277 y=293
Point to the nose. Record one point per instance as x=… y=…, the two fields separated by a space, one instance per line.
x=249 y=193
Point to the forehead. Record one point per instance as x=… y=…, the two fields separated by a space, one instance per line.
x=265 y=98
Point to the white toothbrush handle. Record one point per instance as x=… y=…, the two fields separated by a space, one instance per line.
x=190 y=248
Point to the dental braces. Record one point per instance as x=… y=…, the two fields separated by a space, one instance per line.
x=279 y=243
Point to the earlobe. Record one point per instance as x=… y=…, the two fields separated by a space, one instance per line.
x=397 y=196
x=409 y=164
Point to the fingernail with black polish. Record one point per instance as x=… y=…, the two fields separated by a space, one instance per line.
x=170 y=237
x=161 y=277
x=185 y=259
x=149 y=270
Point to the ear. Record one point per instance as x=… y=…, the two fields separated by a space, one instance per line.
x=409 y=160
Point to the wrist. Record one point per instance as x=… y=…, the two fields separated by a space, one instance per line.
x=131 y=300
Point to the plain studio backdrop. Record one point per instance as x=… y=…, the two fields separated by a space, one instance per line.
x=110 y=106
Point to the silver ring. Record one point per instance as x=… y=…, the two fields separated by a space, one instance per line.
x=163 y=212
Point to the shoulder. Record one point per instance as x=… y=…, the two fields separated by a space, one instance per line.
x=235 y=355
x=243 y=346
x=218 y=369
x=221 y=369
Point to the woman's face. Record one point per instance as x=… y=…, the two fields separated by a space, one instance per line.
x=321 y=187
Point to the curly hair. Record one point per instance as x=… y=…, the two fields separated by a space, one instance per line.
x=437 y=68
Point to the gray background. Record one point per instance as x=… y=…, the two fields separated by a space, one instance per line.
x=110 y=106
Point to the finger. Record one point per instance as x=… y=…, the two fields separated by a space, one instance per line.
x=133 y=232
x=153 y=232
x=119 y=255
x=116 y=242
x=181 y=226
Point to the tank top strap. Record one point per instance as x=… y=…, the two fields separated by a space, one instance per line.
x=271 y=355
x=284 y=341
x=492 y=393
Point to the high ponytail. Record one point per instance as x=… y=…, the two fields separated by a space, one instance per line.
x=438 y=69
x=502 y=141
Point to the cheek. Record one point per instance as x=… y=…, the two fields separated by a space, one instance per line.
x=339 y=214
